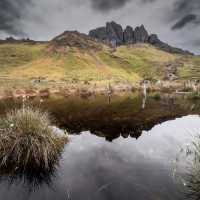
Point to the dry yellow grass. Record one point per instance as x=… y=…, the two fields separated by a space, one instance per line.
x=20 y=64
x=28 y=141
x=43 y=67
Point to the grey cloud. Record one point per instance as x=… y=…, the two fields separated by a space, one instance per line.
x=191 y=18
x=10 y=13
x=106 y=5
x=185 y=8
x=44 y=19
x=182 y=14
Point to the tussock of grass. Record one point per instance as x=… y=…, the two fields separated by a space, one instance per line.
x=28 y=141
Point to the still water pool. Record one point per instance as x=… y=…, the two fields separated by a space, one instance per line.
x=117 y=151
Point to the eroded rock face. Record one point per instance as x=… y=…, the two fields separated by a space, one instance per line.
x=141 y=34
x=114 y=34
x=99 y=33
x=154 y=40
x=128 y=35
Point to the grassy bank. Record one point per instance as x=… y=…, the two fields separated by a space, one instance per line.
x=28 y=141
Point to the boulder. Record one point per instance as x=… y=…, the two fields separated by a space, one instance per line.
x=153 y=39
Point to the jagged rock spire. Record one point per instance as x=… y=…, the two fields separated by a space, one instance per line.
x=114 y=34
x=140 y=34
x=129 y=35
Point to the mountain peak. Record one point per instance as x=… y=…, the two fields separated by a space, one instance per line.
x=74 y=39
x=114 y=34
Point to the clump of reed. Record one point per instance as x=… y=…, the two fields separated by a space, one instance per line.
x=27 y=140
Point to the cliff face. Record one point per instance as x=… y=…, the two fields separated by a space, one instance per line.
x=114 y=34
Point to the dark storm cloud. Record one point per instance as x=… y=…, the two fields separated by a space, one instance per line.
x=191 y=18
x=186 y=11
x=186 y=6
x=105 y=5
x=10 y=13
x=44 y=19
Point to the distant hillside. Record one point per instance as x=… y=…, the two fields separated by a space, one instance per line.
x=77 y=58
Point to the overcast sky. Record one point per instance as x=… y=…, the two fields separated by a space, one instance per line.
x=175 y=21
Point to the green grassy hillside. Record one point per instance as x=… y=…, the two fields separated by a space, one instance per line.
x=22 y=63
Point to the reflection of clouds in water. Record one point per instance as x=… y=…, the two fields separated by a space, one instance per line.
x=105 y=166
x=129 y=162
x=93 y=168
x=163 y=141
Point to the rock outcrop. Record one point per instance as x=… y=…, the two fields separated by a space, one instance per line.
x=141 y=35
x=74 y=39
x=154 y=40
x=114 y=34
x=99 y=33
x=129 y=35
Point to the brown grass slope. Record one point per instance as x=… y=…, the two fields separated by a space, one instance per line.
x=74 y=57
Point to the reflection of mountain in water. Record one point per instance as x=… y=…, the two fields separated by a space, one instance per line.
x=92 y=168
x=123 y=116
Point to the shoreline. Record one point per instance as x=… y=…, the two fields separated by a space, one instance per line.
x=87 y=90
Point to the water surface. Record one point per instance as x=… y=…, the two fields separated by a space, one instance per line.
x=116 y=151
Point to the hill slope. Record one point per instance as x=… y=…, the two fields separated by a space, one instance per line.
x=77 y=58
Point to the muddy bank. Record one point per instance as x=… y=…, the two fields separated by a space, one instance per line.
x=90 y=89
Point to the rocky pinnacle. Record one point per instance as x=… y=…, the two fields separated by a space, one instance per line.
x=114 y=34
